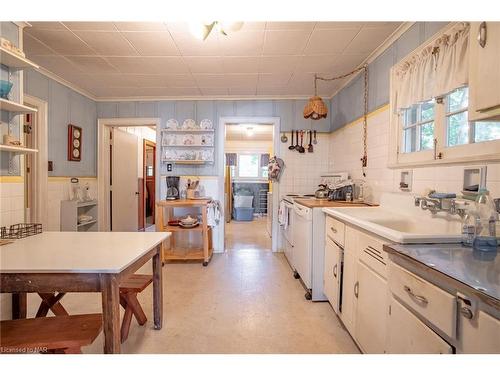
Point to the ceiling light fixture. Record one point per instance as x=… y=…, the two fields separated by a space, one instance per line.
x=249 y=130
x=316 y=109
x=201 y=30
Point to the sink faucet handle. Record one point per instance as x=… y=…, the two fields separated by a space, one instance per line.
x=418 y=200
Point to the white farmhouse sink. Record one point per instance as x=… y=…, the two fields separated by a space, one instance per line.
x=401 y=226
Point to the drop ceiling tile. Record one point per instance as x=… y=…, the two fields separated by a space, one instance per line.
x=140 y=26
x=290 y=25
x=92 y=64
x=368 y=39
x=246 y=64
x=58 y=65
x=242 y=43
x=214 y=91
x=330 y=41
x=158 y=80
x=188 y=45
x=226 y=80
x=167 y=91
x=275 y=79
x=62 y=41
x=271 y=90
x=91 y=26
x=152 y=43
x=33 y=46
x=113 y=80
x=107 y=43
x=339 y=25
x=278 y=64
x=347 y=62
x=246 y=90
x=45 y=25
x=150 y=65
x=285 y=42
x=87 y=82
x=317 y=63
x=253 y=26
x=204 y=64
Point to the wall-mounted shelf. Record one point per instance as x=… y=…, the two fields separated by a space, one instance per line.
x=10 y=106
x=71 y=210
x=18 y=149
x=187 y=130
x=86 y=223
x=13 y=60
x=187 y=161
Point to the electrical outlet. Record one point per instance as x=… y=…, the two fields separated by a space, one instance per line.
x=51 y=166
x=169 y=167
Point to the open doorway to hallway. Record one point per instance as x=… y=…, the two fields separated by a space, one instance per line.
x=248 y=214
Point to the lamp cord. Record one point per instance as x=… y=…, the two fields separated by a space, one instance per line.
x=364 y=158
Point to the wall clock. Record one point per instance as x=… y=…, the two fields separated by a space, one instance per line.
x=74 y=143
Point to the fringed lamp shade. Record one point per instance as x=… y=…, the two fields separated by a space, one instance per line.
x=315 y=109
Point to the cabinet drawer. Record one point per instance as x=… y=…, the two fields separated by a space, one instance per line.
x=432 y=303
x=372 y=254
x=335 y=230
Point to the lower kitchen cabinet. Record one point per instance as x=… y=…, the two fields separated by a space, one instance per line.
x=479 y=334
x=371 y=310
x=406 y=334
x=331 y=275
x=348 y=308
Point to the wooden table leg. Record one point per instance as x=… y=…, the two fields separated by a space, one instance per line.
x=19 y=305
x=205 y=235
x=157 y=289
x=110 y=291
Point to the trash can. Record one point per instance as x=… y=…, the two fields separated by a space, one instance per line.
x=243 y=213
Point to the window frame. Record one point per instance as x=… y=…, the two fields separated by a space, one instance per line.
x=237 y=170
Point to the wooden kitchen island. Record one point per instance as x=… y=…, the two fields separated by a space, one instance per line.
x=165 y=212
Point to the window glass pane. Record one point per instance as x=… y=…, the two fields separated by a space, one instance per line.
x=409 y=140
x=486 y=131
x=458 y=129
x=248 y=166
x=427 y=136
x=265 y=172
x=458 y=99
x=411 y=115
x=427 y=111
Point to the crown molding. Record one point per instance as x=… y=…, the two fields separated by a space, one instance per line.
x=22 y=24
x=199 y=98
x=68 y=84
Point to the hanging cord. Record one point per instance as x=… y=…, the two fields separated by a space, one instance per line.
x=364 y=158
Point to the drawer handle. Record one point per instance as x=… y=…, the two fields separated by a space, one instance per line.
x=482 y=35
x=333 y=229
x=356 y=289
x=418 y=298
x=466 y=312
x=335 y=270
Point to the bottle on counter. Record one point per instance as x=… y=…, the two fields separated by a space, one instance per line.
x=486 y=218
x=469 y=228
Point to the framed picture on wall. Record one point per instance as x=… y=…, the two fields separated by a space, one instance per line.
x=74 y=143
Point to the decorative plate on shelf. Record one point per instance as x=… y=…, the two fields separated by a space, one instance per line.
x=172 y=124
x=206 y=124
x=189 y=124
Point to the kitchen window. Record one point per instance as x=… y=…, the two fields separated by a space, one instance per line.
x=250 y=166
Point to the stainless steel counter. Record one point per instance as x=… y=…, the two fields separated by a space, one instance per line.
x=478 y=271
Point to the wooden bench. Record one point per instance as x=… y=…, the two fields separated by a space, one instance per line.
x=57 y=334
x=129 y=289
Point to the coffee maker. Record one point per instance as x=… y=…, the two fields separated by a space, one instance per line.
x=172 y=187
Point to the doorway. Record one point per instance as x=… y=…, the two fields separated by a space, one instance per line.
x=127 y=173
x=247 y=145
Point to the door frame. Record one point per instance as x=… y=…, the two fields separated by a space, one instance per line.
x=103 y=171
x=39 y=209
x=147 y=143
x=221 y=138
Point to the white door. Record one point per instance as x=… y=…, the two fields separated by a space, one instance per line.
x=408 y=335
x=331 y=274
x=124 y=182
x=371 y=310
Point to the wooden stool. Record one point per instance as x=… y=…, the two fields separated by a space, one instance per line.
x=129 y=289
x=56 y=334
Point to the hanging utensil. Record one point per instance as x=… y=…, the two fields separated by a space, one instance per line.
x=297 y=136
x=310 y=147
x=315 y=141
x=284 y=138
x=292 y=146
x=301 y=148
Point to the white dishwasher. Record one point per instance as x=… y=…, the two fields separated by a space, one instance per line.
x=302 y=245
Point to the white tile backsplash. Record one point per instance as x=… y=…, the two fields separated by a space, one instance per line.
x=11 y=203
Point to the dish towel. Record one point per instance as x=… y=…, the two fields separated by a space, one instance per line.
x=213 y=213
x=283 y=215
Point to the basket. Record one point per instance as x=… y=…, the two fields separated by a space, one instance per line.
x=21 y=230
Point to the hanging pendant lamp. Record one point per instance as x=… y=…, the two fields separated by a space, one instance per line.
x=315 y=107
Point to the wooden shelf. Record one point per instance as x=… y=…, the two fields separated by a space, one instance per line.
x=86 y=223
x=183 y=203
x=10 y=106
x=188 y=255
x=186 y=161
x=187 y=130
x=14 y=60
x=18 y=149
x=175 y=228
x=86 y=204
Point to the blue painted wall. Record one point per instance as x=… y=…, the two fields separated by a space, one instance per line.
x=9 y=31
x=347 y=104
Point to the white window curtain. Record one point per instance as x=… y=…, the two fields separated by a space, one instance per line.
x=437 y=69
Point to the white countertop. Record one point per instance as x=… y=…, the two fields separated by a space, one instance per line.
x=77 y=252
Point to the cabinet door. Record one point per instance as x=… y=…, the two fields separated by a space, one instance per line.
x=479 y=334
x=331 y=274
x=408 y=335
x=349 y=280
x=484 y=72
x=371 y=310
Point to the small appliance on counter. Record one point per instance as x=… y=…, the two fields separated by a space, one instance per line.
x=322 y=192
x=172 y=187
x=344 y=191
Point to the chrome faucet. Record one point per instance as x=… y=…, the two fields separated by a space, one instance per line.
x=435 y=205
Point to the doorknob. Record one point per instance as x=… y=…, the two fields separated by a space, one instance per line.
x=136 y=193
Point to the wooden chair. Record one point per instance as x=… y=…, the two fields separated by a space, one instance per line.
x=56 y=334
x=128 y=299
